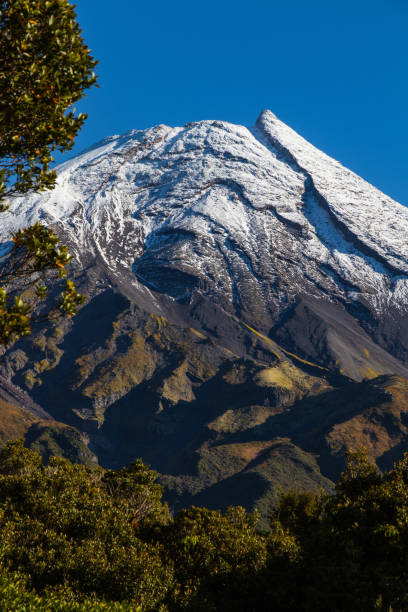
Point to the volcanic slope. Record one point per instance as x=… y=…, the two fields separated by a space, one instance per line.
x=231 y=273
x=257 y=223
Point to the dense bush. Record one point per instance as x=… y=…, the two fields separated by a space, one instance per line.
x=353 y=546
x=15 y=596
x=79 y=538
x=216 y=558
x=69 y=525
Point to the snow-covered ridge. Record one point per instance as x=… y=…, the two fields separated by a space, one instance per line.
x=377 y=220
x=251 y=217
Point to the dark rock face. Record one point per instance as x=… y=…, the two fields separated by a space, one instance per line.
x=326 y=333
x=242 y=287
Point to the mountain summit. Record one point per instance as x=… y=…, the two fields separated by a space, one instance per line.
x=231 y=272
x=255 y=222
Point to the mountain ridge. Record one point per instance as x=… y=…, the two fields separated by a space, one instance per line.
x=230 y=273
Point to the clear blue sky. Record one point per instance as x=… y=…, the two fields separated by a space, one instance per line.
x=335 y=70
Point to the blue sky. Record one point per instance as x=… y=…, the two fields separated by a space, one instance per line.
x=336 y=71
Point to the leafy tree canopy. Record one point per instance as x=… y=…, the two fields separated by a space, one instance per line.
x=45 y=66
x=84 y=538
x=66 y=525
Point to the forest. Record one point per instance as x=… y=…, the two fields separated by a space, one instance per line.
x=82 y=538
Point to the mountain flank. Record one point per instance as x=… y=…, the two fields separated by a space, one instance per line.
x=246 y=314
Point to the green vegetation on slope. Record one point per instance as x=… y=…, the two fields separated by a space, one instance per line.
x=220 y=429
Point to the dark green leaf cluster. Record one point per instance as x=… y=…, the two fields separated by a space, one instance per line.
x=216 y=558
x=35 y=260
x=41 y=249
x=66 y=525
x=83 y=537
x=16 y=596
x=351 y=549
x=14 y=319
x=44 y=68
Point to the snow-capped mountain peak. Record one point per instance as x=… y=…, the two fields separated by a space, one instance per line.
x=252 y=220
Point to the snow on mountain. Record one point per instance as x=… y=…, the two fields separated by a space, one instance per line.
x=251 y=219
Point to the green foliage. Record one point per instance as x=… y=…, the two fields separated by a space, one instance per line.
x=54 y=439
x=134 y=489
x=76 y=538
x=60 y=525
x=45 y=66
x=352 y=546
x=14 y=320
x=16 y=596
x=27 y=272
x=216 y=558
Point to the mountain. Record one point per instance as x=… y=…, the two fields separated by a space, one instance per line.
x=246 y=315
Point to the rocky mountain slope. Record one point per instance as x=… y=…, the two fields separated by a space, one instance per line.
x=246 y=312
